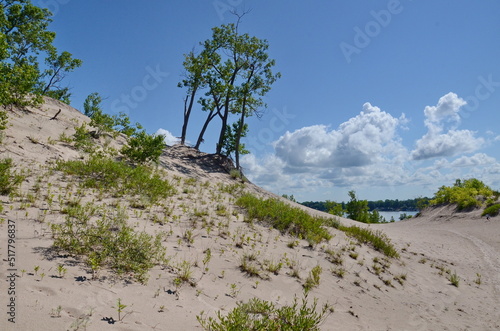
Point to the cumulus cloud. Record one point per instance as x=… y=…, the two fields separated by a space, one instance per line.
x=446 y=111
x=365 y=149
x=442 y=139
x=367 y=152
x=358 y=142
x=477 y=160
x=447 y=144
x=169 y=138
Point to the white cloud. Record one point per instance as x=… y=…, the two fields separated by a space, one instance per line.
x=452 y=143
x=436 y=143
x=365 y=149
x=169 y=138
x=446 y=111
x=367 y=153
x=358 y=142
x=479 y=159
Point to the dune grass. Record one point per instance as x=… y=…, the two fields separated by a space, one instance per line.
x=118 y=178
x=377 y=239
x=299 y=223
x=285 y=218
x=8 y=180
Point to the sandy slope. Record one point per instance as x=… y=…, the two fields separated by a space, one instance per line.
x=437 y=242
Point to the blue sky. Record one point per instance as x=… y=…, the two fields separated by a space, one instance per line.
x=391 y=98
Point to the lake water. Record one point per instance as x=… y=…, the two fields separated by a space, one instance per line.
x=388 y=214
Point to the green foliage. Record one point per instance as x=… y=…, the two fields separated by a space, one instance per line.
x=465 y=194
x=108 y=241
x=374 y=217
x=234 y=72
x=313 y=278
x=121 y=123
x=284 y=218
x=380 y=205
x=119 y=308
x=357 y=209
x=104 y=123
x=492 y=210
x=24 y=41
x=144 y=147
x=58 y=65
x=257 y=314
x=8 y=181
x=118 y=178
x=289 y=197
x=92 y=104
x=334 y=208
x=231 y=139
x=454 y=279
x=83 y=140
x=377 y=239
x=4 y=118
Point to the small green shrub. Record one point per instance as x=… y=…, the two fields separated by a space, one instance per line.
x=8 y=181
x=108 y=241
x=143 y=148
x=82 y=139
x=104 y=123
x=257 y=314
x=492 y=210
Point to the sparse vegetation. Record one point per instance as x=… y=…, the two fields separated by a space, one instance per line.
x=339 y=272
x=119 y=308
x=8 y=180
x=377 y=239
x=454 y=279
x=285 y=218
x=257 y=314
x=108 y=241
x=478 y=279
x=313 y=279
x=118 y=178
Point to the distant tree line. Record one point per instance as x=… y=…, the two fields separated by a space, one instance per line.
x=380 y=205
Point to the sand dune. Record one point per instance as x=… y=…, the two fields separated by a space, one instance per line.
x=375 y=293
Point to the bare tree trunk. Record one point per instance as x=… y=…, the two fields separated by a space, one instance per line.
x=210 y=117
x=226 y=107
x=187 y=114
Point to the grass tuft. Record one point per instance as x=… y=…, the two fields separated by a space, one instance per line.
x=285 y=218
x=377 y=239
